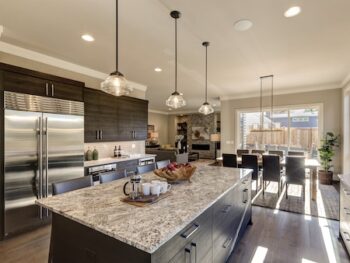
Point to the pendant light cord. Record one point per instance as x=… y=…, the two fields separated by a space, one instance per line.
x=206 y=74
x=175 y=54
x=116 y=36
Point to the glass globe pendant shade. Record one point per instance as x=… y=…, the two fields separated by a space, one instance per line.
x=116 y=84
x=175 y=100
x=206 y=108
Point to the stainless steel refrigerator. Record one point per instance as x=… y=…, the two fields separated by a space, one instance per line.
x=44 y=143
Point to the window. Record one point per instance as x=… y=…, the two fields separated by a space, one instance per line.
x=289 y=128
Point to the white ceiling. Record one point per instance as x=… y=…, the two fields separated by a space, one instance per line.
x=312 y=49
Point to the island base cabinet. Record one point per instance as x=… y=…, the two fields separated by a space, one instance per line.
x=210 y=237
x=193 y=244
x=72 y=242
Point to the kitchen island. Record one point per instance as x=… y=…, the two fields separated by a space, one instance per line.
x=201 y=221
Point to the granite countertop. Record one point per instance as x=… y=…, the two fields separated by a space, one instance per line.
x=145 y=228
x=116 y=160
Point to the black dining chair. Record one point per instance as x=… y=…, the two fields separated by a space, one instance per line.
x=229 y=160
x=240 y=152
x=146 y=168
x=71 y=185
x=272 y=171
x=112 y=176
x=261 y=152
x=276 y=152
x=250 y=161
x=296 y=153
x=295 y=172
x=162 y=164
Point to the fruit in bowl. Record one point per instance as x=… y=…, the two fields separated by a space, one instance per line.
x=175 y=172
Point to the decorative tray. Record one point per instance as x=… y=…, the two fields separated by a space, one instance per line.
x=145 y=200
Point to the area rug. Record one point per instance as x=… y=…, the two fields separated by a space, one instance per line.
x=326 y=205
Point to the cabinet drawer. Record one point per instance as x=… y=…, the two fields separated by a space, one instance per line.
x=195 y=232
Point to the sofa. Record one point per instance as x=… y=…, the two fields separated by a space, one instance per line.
x=168 y=154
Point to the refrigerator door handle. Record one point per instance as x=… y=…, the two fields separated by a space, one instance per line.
x=46 y=157
x=40 y=165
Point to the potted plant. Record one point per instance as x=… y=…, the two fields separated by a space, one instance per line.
x=326 y=153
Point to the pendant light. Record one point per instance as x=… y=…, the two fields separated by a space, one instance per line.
x=116 y=84
x=175 y=100
x=206 y=108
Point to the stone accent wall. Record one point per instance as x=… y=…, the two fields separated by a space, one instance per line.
x=199 y=120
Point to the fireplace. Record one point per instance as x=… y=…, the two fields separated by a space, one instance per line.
x=200 y=147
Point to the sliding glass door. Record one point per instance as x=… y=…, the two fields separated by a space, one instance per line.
x=289 y=128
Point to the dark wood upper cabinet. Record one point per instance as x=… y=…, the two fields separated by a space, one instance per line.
x=27 y=81
x=110 y=118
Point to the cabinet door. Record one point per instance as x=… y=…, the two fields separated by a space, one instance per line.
x=133 y=119
x=92 y=115
x=108 y=117
x=140 y=120
x=183 y=256
x=25 y=84
x=65 y=91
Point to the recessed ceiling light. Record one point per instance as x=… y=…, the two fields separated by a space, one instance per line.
x=158 y=70
x=87 y=37
x=292 y=11
x=243 y=25
x=214 y=105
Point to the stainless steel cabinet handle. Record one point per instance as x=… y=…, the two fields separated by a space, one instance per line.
x=190 y=231
x=195 y=251
x=52 y=90
x=227 y=242
x=187 y=252
x=97 y=134
x=101 y=135
x=226 y=209
x=47 y=88
x=245 y=196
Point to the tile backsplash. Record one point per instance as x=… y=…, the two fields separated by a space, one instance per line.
x=106 y=149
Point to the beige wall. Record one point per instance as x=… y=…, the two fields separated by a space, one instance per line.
x=33 y=65
x=332 y=112
x=346 y=130
x=160 y=122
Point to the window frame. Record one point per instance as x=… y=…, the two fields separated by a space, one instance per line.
x=237 y=113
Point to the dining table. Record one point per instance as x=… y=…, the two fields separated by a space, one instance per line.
x=310 y=163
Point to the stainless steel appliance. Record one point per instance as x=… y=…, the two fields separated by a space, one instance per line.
x=146 y=160
x=44 y=143
x=96 y=171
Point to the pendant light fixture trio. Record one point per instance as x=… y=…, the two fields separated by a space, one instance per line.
x=116 y=84
x=175 y=100
x=206 y=108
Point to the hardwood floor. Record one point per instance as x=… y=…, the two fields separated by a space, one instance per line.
x=31 y=247
x=282 y=237
x=288 y=237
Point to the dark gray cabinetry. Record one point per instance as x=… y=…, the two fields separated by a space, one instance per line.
x=214 y=234
x=109 y=118
x=344 y=226
x=231 y=214
x=193 y=244
x=27 y=81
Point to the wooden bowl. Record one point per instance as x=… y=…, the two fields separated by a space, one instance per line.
x=180 y=174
